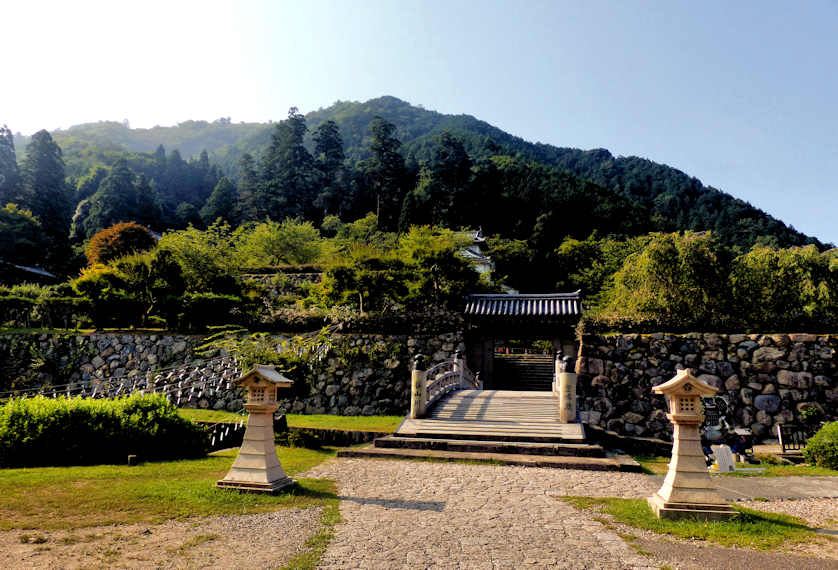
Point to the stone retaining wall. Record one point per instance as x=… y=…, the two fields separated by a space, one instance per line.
x=52 y=358
x=766 y=379
x=368 y=374
x=362 y=374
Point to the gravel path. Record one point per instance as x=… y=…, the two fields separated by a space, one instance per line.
x=407 y=514
x=819 y=513
x=248 y=541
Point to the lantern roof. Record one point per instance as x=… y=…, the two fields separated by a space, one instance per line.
x=685 y=384
x=264 y=372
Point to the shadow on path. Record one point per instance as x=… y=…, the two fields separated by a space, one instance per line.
x=436 y=506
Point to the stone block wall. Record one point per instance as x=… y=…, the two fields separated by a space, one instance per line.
x=369 y=374
x=365 y=374
x=766 y=379
x=55 y=358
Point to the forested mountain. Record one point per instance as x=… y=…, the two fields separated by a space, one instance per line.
x=672 y=199
x=405 y=164
x=101 y=143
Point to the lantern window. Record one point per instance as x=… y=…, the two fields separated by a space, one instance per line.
x=687 y=404
x=258 y=394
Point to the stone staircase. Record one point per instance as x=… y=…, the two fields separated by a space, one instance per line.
x=530 y=372
x=512 y=427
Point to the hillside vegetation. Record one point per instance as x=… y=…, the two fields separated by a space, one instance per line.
x=349 y=185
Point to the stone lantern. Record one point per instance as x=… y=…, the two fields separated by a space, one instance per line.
x=687 y=490
x=257 y=467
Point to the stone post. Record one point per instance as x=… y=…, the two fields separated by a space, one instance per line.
x=458 y=367
x=557 y=369
x=687 y=491
x=418 y=393
x=567 y=392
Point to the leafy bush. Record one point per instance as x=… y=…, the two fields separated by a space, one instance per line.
x=292 y=241
x=16 y=311
x=202 y=309
x=117 y=241
x=298 y=438
x=82 y=431
x=64 y=312
x=822 y=448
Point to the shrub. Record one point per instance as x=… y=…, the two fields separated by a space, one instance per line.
x=117 y=241
x=822 y=448
x=16 y=311
x=202 y=309
x=43 y=431
x=298 y=438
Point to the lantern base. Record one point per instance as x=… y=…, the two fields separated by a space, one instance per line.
x=252 y=487
x=679 y=511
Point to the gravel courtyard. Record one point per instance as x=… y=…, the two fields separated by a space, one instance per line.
x=414 y=514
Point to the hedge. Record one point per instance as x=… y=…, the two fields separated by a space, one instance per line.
x=44 y=312
x=42 y=431
x=822 y=448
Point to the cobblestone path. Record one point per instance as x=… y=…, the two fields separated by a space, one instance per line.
x=409 y=514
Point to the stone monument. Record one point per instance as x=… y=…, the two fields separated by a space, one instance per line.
x=257 y=468
x=687 y=490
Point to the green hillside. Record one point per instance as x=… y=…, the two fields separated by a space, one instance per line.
x=672 y=199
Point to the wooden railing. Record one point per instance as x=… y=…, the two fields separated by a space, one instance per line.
x=439 y=380
x=428 y=386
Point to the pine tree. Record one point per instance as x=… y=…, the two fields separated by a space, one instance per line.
x=385 y=173
x=9 y=173
x=47 y=195
x=221 y=203
x=148 y=211
x=288 y=175
x=248 y=208
x=329 y=160
x=115 y=201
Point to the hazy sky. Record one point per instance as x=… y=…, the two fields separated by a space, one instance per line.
x=740 y=94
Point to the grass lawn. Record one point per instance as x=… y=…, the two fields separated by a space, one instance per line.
x=387 y=424
x=659 y=465
x=749 y=529
x=76 y=497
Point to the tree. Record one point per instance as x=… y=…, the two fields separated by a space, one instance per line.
x=221 y=203
x=149 y=212
x=47 y=195
x=206 y=258
x=271 y=243
x=89 y=184
x=249 y=207
x=385 y=173
x=329 y=158
x=115 y=201
x=117 y=241
x=677 y=281
x=21 y=240
x=442 y=184
x=187 y=215
x=9 y=173
x=786 y=289
x=288 y=174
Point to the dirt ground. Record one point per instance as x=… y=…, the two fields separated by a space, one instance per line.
x=248 y=541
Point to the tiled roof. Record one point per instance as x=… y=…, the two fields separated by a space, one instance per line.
x=528 y=305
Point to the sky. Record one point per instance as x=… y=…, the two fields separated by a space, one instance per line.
x=741 y=95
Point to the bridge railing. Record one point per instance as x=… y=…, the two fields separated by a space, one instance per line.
x=428 y=386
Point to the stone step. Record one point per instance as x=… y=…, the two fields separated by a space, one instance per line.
x=489 y=446
x=493 y=431
x=620 y=463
